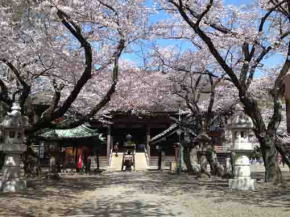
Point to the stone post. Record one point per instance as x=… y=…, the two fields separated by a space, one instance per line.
x=109 y=144
x=241 y=127
x=148 y=137
x=13 y=146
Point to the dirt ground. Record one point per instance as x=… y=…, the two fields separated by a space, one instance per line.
x=148 y=193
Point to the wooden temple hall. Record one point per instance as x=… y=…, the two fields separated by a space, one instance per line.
x=155 y=137
x=154 y=134
x=100 y=139
x=142 y=129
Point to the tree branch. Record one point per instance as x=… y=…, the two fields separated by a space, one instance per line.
x=87 y=74
x=4 y=96
x=75 y=30
x=115 y=74
x=210 y=45
x=276 y=93
x=26 y=88
x=265 y=17
x=47 y=114
x=208 y=7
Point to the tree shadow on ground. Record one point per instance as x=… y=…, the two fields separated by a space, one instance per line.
x=67 y=189
x=41 y=188
x=65 y=194
x=63 y=191
x=265 y=195
x=107 y=207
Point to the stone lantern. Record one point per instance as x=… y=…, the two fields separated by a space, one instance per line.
x=13 y=145
x=241 y=127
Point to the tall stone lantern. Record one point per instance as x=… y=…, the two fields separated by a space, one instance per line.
x=13 y=145
x=241 y=127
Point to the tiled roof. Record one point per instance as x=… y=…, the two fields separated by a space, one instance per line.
x=81 y=131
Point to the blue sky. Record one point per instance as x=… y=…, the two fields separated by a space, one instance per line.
x=184 y=45
x=274 y=60
x=238 y=2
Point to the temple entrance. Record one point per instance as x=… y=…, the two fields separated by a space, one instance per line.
x=142 y=128
x=120 y=135
x=138 y=137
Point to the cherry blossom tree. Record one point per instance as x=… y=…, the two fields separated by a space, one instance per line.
x=241 y=39
x=207 y=96
x=63 y=46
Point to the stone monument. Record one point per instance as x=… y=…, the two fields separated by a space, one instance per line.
x=13 y=146
x=241 y=127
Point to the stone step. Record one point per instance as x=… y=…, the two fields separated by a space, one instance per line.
x=140 y=162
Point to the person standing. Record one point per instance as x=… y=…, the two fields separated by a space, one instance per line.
x=80 y=163
x=88 y=164
x=116 y=148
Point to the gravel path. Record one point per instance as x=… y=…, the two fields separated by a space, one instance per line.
x=144 y=194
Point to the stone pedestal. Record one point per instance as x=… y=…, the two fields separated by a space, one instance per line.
x=13 y=185
x=11 y=171
x=242 y=172
x=244 y=184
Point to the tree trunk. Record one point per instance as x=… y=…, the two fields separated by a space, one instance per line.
x=2 y=156
x=288 y=114
x=269 y=152
x=266 y=139
x=30 y=159
x=160 y=160
x=215 y=168
x=203 y=164
x=98 y=161
x=187 y=159
x=284 y=152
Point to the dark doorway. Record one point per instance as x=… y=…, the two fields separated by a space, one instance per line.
x=138 y=134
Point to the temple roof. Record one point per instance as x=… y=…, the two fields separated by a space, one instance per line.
x=168 y=132
x=80 y=132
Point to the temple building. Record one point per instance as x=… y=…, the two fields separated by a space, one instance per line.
x=142 y=128
x=147 y=114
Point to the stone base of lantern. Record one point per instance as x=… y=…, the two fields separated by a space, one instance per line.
x=13 y=185
x=243 y=183
x=12 y=179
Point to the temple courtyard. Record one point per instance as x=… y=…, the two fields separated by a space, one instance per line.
x=145 y=193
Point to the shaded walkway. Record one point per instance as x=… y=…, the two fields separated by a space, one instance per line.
x=143 y=194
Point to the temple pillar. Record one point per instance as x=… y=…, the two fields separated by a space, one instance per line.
x=148 y=137
x=109 y=142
